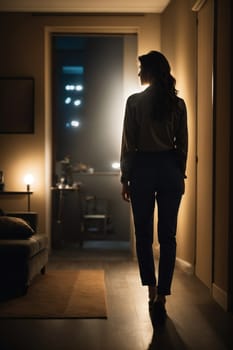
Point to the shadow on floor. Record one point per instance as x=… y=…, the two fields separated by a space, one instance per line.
x=167 y=338
x=220 y=322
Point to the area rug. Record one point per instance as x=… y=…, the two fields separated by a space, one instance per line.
x=61 y=294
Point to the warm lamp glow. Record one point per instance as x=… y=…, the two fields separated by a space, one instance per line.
x=28 y=179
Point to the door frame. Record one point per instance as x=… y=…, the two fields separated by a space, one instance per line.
x=48 y=32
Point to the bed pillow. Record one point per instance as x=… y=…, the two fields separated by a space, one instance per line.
x=14 y=228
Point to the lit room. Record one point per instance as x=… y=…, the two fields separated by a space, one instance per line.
x=72 y=278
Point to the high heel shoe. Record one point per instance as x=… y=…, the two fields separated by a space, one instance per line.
x=158 y=313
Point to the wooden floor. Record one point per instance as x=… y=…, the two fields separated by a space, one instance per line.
x=195 y=320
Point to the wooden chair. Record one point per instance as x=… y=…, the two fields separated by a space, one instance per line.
x=96 y=218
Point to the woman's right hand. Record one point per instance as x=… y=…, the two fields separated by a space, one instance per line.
x=125 y=192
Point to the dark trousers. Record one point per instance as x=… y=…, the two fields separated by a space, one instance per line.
x=156 y=177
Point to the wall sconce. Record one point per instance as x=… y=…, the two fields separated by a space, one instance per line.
x=116 y=166
x=28 y=180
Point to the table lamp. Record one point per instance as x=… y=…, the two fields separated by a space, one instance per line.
x=28 y=180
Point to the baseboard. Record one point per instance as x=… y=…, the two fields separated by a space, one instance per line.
x=184 y=266
x=180 y=263
x=198 y=4
x=220 y=296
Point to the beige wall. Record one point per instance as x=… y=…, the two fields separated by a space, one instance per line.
x=204 y=227
x=178 y=40
x=23 y=38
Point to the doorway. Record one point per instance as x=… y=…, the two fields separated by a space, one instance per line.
x=88 y=74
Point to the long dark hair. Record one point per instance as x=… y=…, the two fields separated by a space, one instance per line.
x=156 y=67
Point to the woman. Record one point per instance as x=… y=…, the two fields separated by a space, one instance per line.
x=153 y=163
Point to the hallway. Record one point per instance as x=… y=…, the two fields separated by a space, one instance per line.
x=195 y=321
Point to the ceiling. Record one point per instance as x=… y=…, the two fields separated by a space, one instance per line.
x=85 y=6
